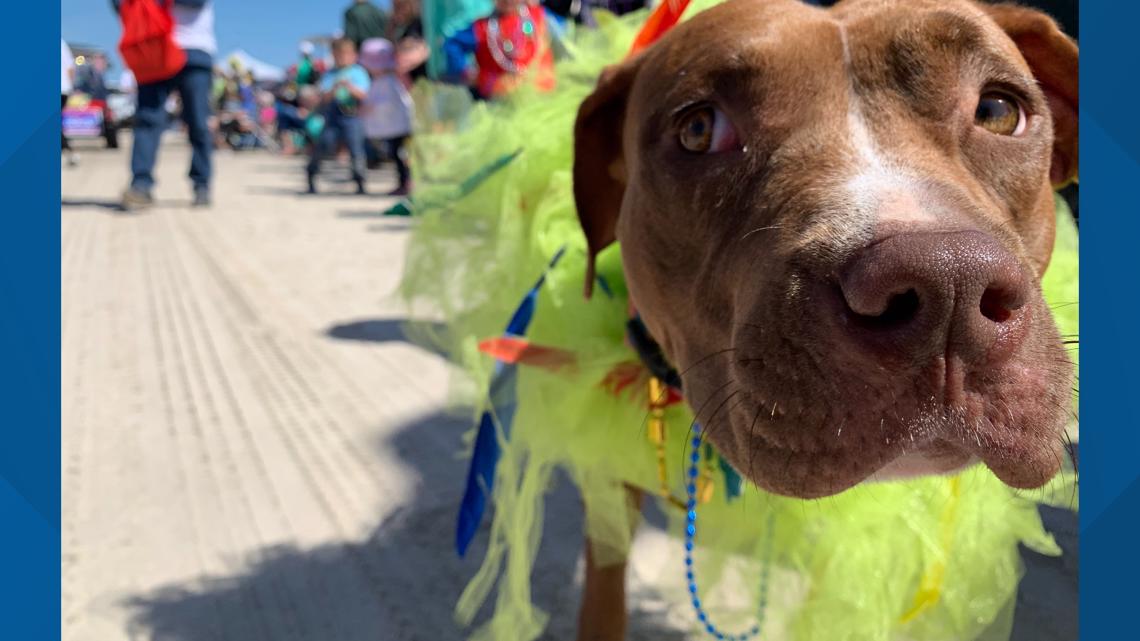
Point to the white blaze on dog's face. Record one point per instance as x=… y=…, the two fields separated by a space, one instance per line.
x=835 y=223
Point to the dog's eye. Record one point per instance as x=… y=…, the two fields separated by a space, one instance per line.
x=706 y=130
x=1000 y=114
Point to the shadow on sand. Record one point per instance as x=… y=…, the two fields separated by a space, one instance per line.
x=381 y=330
x=401 y=584
x=110 y=205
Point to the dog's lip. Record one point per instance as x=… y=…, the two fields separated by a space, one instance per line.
x=1018 y=462
x=900 y=434
x=888 y=450
x=895 y=462
x=847 y=474
x=926 y=443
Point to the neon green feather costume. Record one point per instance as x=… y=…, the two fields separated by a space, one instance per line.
x=930 y=559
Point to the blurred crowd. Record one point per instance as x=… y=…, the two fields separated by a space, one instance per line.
x=345 y=96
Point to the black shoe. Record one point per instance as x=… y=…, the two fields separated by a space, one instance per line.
x=135 y=199
x=360 y=190
x=201 y=197
x=312 y=185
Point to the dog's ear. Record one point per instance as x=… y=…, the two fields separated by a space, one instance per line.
x=599 y=163
x=1053 y=58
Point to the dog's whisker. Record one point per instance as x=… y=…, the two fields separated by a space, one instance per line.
x=707 y=357
x=752 y=436
x=701 y=408
x=665 y=391
x=706 y=428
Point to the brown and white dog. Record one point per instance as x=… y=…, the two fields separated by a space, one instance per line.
x=841 y=218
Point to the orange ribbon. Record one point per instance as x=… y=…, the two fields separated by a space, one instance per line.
x=663 y=18
x=519 y=351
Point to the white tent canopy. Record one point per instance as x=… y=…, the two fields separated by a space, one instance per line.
x=262 y=71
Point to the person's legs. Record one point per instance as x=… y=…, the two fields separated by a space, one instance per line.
x=65 y=144
x=353 y=128
x=327 y=140
x=62 y=136
x=194 y=85
x=399 y=153
x=150 y=121
x=372 y=149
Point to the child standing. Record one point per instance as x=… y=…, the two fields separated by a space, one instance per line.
x=343 y=90
x=388 y=108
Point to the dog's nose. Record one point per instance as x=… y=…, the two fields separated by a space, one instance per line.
x=918 y=295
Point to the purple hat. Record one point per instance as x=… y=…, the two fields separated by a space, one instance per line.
x=377 y=55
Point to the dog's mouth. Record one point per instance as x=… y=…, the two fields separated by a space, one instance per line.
x=816 y=448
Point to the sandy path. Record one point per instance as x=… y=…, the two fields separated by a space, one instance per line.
x=251 y=450
x=241 y=414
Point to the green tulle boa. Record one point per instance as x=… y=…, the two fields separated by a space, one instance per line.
x=854 y=567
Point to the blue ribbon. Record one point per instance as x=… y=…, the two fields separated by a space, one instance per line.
x=485 y=457
x=604 y=285
x=732 y=481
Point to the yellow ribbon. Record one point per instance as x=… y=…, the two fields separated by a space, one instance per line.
x=930 y=586
x=657 y=436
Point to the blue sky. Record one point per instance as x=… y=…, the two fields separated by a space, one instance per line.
x=267 y=29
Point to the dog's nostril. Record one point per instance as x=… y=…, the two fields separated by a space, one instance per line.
x=998 y=305
x=900 y=310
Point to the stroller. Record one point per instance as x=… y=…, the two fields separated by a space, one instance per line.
x=86 y=117
x=246 y=120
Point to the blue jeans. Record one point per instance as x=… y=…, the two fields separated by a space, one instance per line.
x=341 y=128
x=193 y=84
x=288 y=118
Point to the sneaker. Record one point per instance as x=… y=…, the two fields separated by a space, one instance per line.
x=201 y=197
x=72 y=158
x=312 y=185
x=360 y=190
x=402 y=190
x=135 y=199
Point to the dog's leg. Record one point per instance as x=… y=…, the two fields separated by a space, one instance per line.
x=603 y=615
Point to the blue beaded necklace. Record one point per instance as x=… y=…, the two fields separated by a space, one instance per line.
x=690 y=536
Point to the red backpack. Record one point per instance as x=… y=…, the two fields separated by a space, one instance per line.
x=147 y=45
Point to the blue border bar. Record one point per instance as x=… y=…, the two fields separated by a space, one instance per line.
x=29 y=325
x=1110 y=311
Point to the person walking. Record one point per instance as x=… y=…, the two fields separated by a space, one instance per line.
x=194 y=33
x=66 y=86
x=364 y=20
